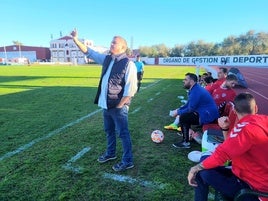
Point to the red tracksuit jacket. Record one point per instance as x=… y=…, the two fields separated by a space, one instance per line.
x=247 y=147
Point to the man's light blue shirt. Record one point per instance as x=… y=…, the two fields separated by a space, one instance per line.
x=130 y=77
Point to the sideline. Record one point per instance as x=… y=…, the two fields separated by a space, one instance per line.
x=258 y=93
x=68 y=165
x=33 y=142
x=128 y=179
x=57 y=131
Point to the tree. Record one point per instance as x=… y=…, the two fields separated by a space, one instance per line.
x=16 y=42
x=250 y=43
x=145 y=51
x=191 y=50
x=177 y=51
x=262 y=43
x=162 y=50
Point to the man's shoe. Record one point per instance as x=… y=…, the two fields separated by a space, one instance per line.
x=183 y=144
x=171 y=127
x=179 y=129
x=104 y=158
x=121 y=166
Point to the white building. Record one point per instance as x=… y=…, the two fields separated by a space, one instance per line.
x=65 y=50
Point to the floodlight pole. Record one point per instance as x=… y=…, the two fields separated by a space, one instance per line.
x=5 y=53
x=197 y=69
x=19 y=51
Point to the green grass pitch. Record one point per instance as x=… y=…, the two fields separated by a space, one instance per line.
x=52 y=134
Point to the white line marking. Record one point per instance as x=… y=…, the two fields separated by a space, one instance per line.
x=130 y=180
x=151 y=85
x=158 y=93
x=258 y=93
x=68 y=165
x=136 y=110
x=261 y=83
x=79 y=155
x=33 y=142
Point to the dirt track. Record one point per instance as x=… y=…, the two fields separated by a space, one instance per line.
x=257 y=80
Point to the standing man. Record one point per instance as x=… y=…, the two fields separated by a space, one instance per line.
x=246 y=146
x=139 y=65
x=118 y=84
x=199 y=109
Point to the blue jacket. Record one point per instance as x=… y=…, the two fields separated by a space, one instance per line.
x=200 y=101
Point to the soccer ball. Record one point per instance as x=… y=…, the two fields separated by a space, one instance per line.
x=157 y=136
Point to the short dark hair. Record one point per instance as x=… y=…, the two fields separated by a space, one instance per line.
x=224 y=70
x=243 y=103
x=231 y=77
x=192 y=76
x=208 y=79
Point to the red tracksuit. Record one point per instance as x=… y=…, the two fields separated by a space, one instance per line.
x=221 y=95
x=247 y=147
x=215 y=85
